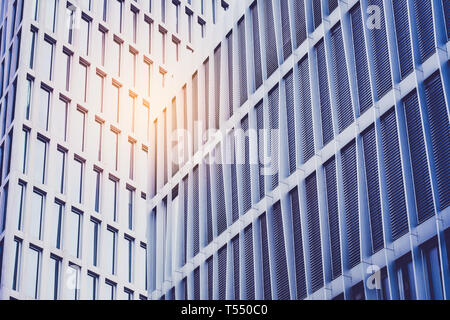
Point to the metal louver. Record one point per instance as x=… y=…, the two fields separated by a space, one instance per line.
x=403 y=37
x=265 y=258
x=195 y=212
x=236 y=288
x=271 y=45
x=274 y=119
x=222 y=275
x=249 y=263
x=290 y=115
x=246 y=178
x=307 y=132
x=256 y=45
x=242 y=62
x=425 y=31
x=280 y=262
x=300 y=21
x=285 y=29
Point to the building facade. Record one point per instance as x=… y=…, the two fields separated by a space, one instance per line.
x=268 y=149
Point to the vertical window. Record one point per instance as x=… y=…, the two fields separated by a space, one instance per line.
x=142 y=266
x=73 y=233
x=163 y=11
x=98 y=94
x=35 y=9
x=70 y=15
x=92 y=286
x=130 y=208
x=133 y=67
x=148 y=66
x=131 y=166
x=84 y=78
x=54 y=278
x=21 y=205
x=37 y=213
x=189 y=28
x=60 y=119
x=102 y=47
x=163 y=46
x=116 y=102
x=129 y=294
x=78 y=129
x=51 y=8
x=117 y=13
x=134 y=13
x=60 y=169
x=57 y=224
x=177 y=15
x=130 y=258
x=132 y=113
x=110 y=250
x=92 y=247
x=85 y=29
x=42 y=113
x=77 y=180
x=98 y=190
x=98 y=137
x=325 y=105
x=40 y=159
x=46 y=59
x=116 y=53
x=17 y=264
x=74 y=286
x=29 y=97
x=32 y=47
x=149 y=34
x=115 y=149
x=110 y=207
x=32 y=272
x=405 y=274
x=433 y=270
x=25 y=139
x=110 y=290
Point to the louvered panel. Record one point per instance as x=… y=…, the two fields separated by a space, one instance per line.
x=362 y=66
x=260 y=131
x=274 y=116
x=217 y=60
x=256 y=45
x=437 y=110
x=195 y=212
x=220 y=193
x=235 y=244
x=290 y=113
x=373 y=188
x=350 y=184
x=333 y=217
x=332 y=4
x=242 y=63
x=419 y=162
x=394 y=175
x=222 y=275
x=425 y=31
x=209 y=225
x=300 y=21
x=325 y=105
x=195 y=119
x=230 y=73
x=234 y=182
x=249 y=263
x=246 y=178
x=271 y=45
x=197 y=284
x=344 y=102
x=446 y=6
x=380 y=50
x=285 y=29
x=280 y=261
x=314 y=244
x=298 y=246
x=403 y=36
x=317 y=13
x=185 y=214
x=307 y=132
x=210 y=268
x=265 y=259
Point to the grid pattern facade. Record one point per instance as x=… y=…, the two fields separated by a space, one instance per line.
x=357 y=183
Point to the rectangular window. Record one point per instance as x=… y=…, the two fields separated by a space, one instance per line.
x=83 y=88
x=77 y=180
x=432 y=265
x=32 y=47
x=133 y=68
x=110 y=250
x=60 y=169
x=92 y=286
x=131 y=166
x=110 y=207
x=60 y=120
x=115 y=149
x=163 y=46
x=130 y=259
x=98 y=92
x=134 y=13
x=17 y=264
x=73 y=233
x=110 y=291
x=148 y=66
x=97 y=138
x=43 y=109
x=405 y=274
x=57 y=224
x=85 y=29
x=78 y=129
x=132 y=113
x=74 y=288
x=116 y=53
x=163 y=11
x=130 y=208
x=70 y=15
x=21 y=205
x=51 y=9
x=149 y=34
x=98 y=183
x=102 y=47
x=46 y=59
x=92 y=247
x=29 y=97
x=35 y=9
x=116 y=102
x=25 y=139
x=32 y=273
x=53 y=280
x=40 y=159
x=129 y=294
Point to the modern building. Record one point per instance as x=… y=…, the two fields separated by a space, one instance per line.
x=310 y=159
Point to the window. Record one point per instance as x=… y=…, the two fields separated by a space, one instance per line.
x=116 y=102
x=40 y=159
x=114 y=149
x=32 y=47
x=85 y=29
x=35 y=9
x=110 y=250
x=130 y=259
x=133 y=67
x=176 y=5
x=60 y=119
x=110 y=206
x=110 y=290
x=73 y=233
x=97 y=138
x=32 y=273
x=77 y=180
x=131 y=163
x=98 y=93
x=132 y=113
x=92 y=286
x=130 y=208
x=129 y=294
x=78 y=129
x=189 y=26
x=51 y=8
x=29 y=97
x=84 y=85
x=25 y=138
x=57 y=224
x=17 y=263
x=163 y=11
x=149 y=34
x=163 y=46
x=54 y=278
x=98 y=182
x=433 y=270
x=21 y=204
x=70 y=14
x=116 y=53
x=74 y=282
x=60 y=169
x=43 y=110
x=92 y=247
x=148 y=66
x=46 y=59
x=134 y=13
x=102 y=46
x=141 y=263
x=405 y=274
